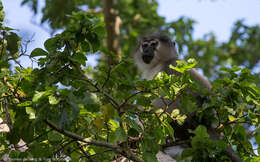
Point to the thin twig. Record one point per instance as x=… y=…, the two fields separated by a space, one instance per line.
x=7 y=114
x=114 y=102
x=62 y=147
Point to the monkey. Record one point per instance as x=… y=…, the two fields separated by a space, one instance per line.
x=154 y=53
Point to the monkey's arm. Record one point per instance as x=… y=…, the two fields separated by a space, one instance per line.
x=197 y=76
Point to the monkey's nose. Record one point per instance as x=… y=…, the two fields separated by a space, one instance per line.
x=148 y=50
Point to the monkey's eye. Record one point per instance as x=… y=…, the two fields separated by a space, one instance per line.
x=154 y=44
x=145 y=45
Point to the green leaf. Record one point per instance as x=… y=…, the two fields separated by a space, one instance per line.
x=149 y=157
x=74 y=157
x=221 y=145
x=118 y=136
x=192 y=61
x=170 y=129
x=121 y=135
x=188 y=152
x=26 y=103
x=2 y=14
x=40 y=149
x=201 y=131
x=225 y=69
x=53 y=100
x=182 y=66
x=240 y=132
x=99 y=123
x=86 y=46
x=180 y=119
x=31 y=112
x=188 y=104
x=100 y=30
x=54 y=137
x=132 y=132
x=175 y=113
x=13 y=43
x=37 y=96
x=257 y=138
x=38 y=52
x=109 y=112
x=236 y=68
x=133 y=124
x=231 y=118
x=79 y=58
x=50 y=44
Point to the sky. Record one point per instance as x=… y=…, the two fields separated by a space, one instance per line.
x=215 y=16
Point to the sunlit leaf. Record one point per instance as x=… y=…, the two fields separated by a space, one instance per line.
x=53 y=100
x=99 y=123
x=31 y=112
x=109 y=112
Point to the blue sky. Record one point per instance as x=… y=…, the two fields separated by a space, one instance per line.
x=215 y=16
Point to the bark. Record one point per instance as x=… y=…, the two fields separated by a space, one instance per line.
x=112 y=22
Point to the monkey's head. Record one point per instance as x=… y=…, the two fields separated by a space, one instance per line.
x=156 y=46
x=148 y=48
x=154 y=50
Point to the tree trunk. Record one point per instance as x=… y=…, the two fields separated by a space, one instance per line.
x=112 y=23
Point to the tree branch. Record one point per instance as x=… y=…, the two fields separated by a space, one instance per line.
x=79 y=138
x=123 y=151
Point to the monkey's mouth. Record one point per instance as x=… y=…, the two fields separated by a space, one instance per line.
x=147 y=58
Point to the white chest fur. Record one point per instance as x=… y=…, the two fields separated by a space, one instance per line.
x=149 y=73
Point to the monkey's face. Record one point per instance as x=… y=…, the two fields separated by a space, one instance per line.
x=153 y=53
x=148 y=48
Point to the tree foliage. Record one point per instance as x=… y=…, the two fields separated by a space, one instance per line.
x=64 y=108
